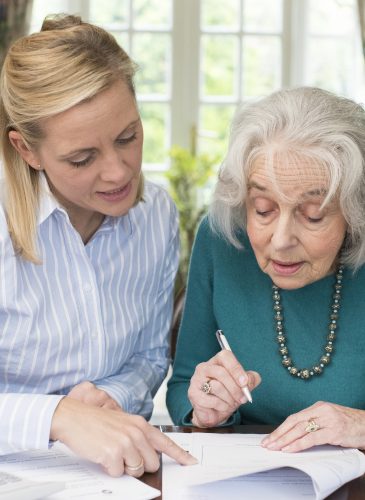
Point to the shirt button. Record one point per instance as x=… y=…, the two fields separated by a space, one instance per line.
x=87 y=287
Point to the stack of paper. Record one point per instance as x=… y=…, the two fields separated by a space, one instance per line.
x=82 y=479
x=235 y=466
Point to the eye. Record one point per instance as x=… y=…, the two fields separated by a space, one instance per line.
x=263 y=213
x=80 y=163
x=263 y=207
x=126 y=140
x=314 y=220
x=312 y=213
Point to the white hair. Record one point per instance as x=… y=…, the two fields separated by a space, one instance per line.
x=308 y=123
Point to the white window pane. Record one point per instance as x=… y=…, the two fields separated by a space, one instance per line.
x=152 y=52
x=220 y=15
x=41 y=9
x=214 y=128
x=219 y=65
x=329 y=72
x=156 y=126
x=261 y=64
x=263 y=15
x=123 y=39
x=152 y=13
x=331 y=17
x=110 y=12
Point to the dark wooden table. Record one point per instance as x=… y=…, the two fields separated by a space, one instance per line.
x=354 y=490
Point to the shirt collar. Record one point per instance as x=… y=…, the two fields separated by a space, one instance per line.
x=48 y=205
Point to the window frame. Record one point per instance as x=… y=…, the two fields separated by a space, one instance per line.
x=184 y=99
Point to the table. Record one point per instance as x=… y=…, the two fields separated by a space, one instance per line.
x=354 y=490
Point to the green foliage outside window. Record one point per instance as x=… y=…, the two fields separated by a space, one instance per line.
x=188 y=176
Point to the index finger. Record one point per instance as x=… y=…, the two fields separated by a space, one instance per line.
x=288 y=424
x=166 y=445
x=231 y=364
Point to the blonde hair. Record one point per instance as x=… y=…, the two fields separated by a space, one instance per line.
x=46 y=73
x=305 y=122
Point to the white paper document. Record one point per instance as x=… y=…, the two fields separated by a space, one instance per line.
x=81 y=478
x=235 y=466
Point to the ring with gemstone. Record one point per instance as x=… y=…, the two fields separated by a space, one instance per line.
x=206 y=387
x=312 y=426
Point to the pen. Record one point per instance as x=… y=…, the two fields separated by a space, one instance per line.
x=223 y=342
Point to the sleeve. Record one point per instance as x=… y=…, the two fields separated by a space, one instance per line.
x=196 y=341
x=25 y=421
x=137 y=383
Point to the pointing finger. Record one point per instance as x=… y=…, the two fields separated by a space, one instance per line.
x=166 y=445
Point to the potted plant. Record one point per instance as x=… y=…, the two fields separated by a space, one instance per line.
x=189 y=178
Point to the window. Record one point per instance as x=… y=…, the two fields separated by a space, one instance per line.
x=199 y=58
x=241 y=54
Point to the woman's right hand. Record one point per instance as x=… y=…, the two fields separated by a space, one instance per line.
x=120 y=442
x=226 y=378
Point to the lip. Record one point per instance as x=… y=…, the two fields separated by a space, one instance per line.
x=286 y=268
x=117 y=194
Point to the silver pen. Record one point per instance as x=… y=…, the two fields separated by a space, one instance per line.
x=223 y=342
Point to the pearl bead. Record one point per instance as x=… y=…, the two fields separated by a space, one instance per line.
x=304 y=373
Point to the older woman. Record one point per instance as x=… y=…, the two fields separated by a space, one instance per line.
x=279 y=267
x=88 y=254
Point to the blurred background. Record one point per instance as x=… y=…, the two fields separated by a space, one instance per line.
x=198 y=59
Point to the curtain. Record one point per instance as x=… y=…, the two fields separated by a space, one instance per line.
x=14 y=21
x=361 y=8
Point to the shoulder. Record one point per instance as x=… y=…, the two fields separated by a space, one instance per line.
x=156 y=215
x=156 y=197
x=209 y=235
x=354 y=281
x=157 y=207
x=209 y=246
x=212 y=249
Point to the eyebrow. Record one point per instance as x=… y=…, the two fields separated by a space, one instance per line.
x=88 y=150
x=312 y=193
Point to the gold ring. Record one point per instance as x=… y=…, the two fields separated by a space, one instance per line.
x=312 y=426
x=134 y=468
x=206 y=387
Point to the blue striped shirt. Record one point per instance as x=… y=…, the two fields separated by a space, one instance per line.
x=99 y=312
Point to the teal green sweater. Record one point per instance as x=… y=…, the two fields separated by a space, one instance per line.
x=227 y=290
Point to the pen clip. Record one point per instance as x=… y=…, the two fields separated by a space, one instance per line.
x=218 y=334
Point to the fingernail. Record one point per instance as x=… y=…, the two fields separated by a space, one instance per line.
x=264 y=442
x=271 y=446
x=242 y=380
x=191 y=460
x=243 y=400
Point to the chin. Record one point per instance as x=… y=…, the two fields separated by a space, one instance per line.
x=292 y=283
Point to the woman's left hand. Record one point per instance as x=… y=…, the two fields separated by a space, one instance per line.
x=321 y=423
x=89 y=394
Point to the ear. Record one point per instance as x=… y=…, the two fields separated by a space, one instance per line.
x=27 y=154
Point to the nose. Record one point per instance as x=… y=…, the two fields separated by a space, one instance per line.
x=284 y=234
x=114 y=168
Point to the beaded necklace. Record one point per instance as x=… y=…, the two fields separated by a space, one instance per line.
x=308 y=373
